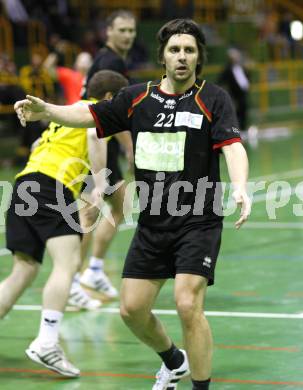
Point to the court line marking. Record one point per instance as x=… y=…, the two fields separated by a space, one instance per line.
x=257 y=382
x=115 y=310
x=258 y=348
x=267 y=225
x=279 y=175
x=143 y=376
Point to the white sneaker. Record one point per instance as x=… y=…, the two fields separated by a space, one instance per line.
x=168 y=379
x=80 y=299
x=97 y=280
x=53 y=358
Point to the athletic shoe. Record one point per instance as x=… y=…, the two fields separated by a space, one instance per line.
x=53 y=358
x=97 y=280
x=168 y=379
x=80 y=299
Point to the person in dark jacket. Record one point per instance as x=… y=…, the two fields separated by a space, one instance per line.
x=235 y=78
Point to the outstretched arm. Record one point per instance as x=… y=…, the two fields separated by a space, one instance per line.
x=33 y=109
x=237 y=164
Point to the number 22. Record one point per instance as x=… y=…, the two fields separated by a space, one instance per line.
x=162 y=117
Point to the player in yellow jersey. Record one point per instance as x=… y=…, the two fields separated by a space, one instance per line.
x=43 y=214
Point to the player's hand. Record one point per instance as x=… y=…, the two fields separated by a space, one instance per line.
x=30 y=109
x=97 y=197
x=93 y=204
x=243 y=201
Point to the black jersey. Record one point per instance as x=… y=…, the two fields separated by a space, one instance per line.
x=177 y=141
x=106 y=59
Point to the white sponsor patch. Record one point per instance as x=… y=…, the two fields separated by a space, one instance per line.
x=160 y=151
x=188 y=119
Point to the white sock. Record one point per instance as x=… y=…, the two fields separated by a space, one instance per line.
x=49 y=327
x=96 y=264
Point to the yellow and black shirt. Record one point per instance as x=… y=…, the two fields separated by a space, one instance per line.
x=62 y=154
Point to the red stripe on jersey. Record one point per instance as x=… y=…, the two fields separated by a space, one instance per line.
x=203 y=108
x=100 y=131
x=138 y=100
x=226 y=142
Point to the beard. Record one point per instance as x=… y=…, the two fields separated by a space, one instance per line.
x=182 y=77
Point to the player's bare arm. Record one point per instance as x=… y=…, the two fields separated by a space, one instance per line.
x=33 y=109
x=237 y=164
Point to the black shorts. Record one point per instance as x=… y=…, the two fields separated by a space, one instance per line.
x=192 y=249
x=28 y=231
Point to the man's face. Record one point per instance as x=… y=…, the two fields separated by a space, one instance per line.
x=121 y=33
x=180 y=57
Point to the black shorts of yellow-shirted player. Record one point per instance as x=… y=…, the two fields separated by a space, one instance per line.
x=179 y=125
x=36 y=219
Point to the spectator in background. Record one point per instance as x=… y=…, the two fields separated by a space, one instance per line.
x=235 y=78
x=138 y=56
x=90 y=43
x=10 y=90
x=177 y=8
x=9 y=82
x=54 y=14
x=71 y=80
x=120 y=36
x=274 y=31
x=285 y=33
x=35 y=79
x=16 y=11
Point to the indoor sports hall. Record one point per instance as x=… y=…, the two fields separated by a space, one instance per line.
x=255 y=308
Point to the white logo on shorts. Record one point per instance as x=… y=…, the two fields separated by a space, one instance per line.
x=207 y=261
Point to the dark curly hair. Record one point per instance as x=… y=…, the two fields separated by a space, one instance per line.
x=182 y=26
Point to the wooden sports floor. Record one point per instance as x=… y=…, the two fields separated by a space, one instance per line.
x=255 y=308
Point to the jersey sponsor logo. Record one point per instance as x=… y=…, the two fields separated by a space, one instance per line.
x=188 y=119
x=170 y=104
x=160 y=151
x=157 y=97
x=186 y=95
